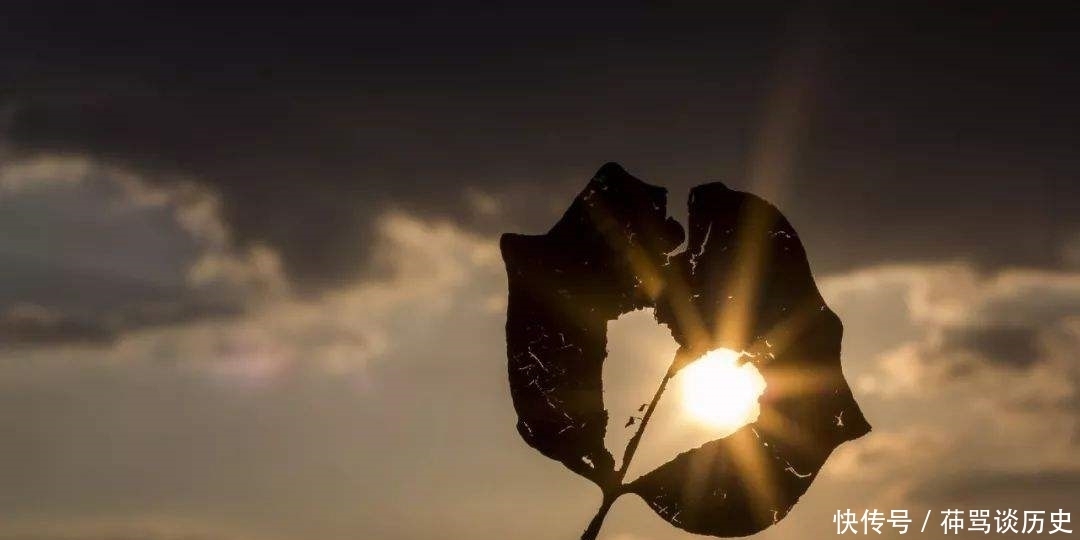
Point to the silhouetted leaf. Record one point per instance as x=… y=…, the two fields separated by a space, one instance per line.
x=743 y=283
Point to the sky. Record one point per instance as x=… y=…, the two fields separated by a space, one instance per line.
x=252 y=289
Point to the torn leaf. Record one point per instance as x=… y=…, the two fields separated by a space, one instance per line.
x=742 y=283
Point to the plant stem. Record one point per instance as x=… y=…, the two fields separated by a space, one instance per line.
x=598 y=520
x=632 y=445
x=610 y=495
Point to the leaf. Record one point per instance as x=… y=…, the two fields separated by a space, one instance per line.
x=564 y=288
x=743 y=283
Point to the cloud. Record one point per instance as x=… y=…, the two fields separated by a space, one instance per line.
x=889 y=455
x=306 y=163
x=307 y=416
x=151 y=270
x=1006 y=345
x=931 y=293
x=428 y=272
x=969 y=321
x=28 y=324
x=969 y=377
x=987 y=372
x=98 y=249
x=420 y=336
x=42 y=172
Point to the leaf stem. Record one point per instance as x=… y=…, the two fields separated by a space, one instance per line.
x=612 y=493
x=632 y=445
x=598 y=520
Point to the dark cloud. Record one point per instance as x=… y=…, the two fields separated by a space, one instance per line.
x=90 y=251
x=1013 y=346
x=34 y=326
x=907 y=139
x=31 y=325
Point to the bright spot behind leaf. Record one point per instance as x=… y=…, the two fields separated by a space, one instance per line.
x=716 y=390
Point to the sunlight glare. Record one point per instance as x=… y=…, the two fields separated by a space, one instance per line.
x=719 y=392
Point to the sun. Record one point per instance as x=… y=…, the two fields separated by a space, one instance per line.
x=717 y=391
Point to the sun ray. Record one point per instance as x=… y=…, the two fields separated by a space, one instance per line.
x=734 y=318
x=748 y=454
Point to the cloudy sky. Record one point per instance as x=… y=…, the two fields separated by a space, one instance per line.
x=251 y=286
